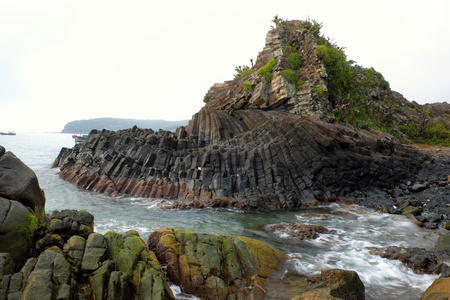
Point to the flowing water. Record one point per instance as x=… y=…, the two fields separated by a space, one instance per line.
x=354 y=228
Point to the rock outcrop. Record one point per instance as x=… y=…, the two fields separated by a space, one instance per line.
x=21 y=207
x=260 y=142
x=272 y=161
x=214 y=266
x=70 y=261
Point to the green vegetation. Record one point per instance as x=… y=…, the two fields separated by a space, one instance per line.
x=319 y=90
x=295 y=60
x=247 y=86
x=359 y=97
x=290 y=49
x=290 y=76
x=241 y=71
x=421 y=129
x=278 y=22
x=341 y=80
x=351 y=87
x=266 y=71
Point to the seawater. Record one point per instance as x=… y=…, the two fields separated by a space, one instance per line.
x=354 y=228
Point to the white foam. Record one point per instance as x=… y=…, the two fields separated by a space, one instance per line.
x=179 y=295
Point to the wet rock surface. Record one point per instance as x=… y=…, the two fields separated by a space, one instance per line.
x=214 y=266
x=294 y=231
x=420 y=260
x=21 y=207
x=426 y=196
x=334 y=284
x=73 y=262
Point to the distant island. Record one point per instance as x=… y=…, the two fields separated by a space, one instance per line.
x=85 y=126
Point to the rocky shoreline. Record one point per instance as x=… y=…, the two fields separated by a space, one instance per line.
x=261 y=142
x=140 y=162
x=66 y=259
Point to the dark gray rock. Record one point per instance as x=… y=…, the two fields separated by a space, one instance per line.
x=6 y=264
x=300 y=160
x=21 y=207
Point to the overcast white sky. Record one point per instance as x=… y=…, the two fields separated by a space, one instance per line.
x=69 y=60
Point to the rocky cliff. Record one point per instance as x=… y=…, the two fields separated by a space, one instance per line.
x=263 y=140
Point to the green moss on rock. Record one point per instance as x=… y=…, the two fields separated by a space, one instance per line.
x=215 y=266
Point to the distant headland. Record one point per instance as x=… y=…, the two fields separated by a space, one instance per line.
x=114 y=124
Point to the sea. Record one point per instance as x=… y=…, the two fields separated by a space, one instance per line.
x=354 y=228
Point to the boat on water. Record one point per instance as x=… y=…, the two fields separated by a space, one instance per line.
x=8 y=133
x=79 y=139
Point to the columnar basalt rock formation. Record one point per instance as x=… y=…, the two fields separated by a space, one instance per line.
x=255 y=159
x=258 y=143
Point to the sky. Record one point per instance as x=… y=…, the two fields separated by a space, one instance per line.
x=70 y=60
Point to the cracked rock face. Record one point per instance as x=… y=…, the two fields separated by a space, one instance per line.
x=215 y=266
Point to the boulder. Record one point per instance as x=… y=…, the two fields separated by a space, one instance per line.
x=69 y=222
x=334 y=284
x=215 y=266
x=18 y=227
x=19 y=183
x=21 y=207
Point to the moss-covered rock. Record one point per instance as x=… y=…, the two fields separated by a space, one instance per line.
x=138 y=272
x=69 y=222
x=18 y=227
x=110 y=266
x=215 y=266
x=21 y=207
x=51 y=272
x=74 y=250
x=94 y=253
